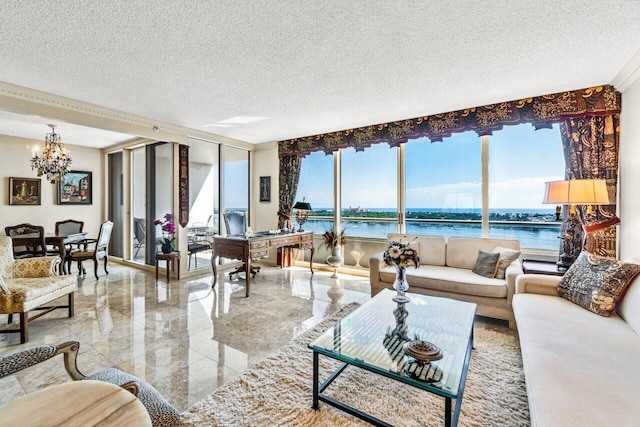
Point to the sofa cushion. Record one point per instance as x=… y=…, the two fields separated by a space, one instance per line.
x=581 y=369
x=507 y=256
x=486 y=264
x=629 y=307
x=448 y=279
x=463 y=251
x=597 y=283
x=431 y=249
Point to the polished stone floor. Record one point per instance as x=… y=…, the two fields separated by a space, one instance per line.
x=184 y=338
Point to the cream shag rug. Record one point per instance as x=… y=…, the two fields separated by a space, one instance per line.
x=277 y=390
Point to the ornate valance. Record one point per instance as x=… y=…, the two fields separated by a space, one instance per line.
x=540 y=111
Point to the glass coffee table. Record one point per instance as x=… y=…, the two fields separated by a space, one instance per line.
x=373 y=336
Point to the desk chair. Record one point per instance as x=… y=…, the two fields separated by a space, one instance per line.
x=27 y=240
x=236 y=223
x=101 y=246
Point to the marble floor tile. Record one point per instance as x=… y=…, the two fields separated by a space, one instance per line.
x=184 y=337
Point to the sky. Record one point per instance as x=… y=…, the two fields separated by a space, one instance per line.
x=444 y=174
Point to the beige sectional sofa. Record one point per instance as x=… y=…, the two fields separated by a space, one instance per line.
x=581 y=369
x=445 y=271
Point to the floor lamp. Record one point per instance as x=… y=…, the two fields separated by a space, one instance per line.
x=574 y=192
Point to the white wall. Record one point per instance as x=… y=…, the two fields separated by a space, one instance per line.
x=15 y=154
x=264 y=162
x=629 y=178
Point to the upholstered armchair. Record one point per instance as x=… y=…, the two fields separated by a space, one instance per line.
x=28 y=284
x=160 y=411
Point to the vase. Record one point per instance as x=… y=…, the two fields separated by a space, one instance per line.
x=400 y=284
x=166 y=248
x=335 y=260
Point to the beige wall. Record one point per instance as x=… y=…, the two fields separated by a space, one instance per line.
x=15 y=154
x=264 y=162
x=629 y=180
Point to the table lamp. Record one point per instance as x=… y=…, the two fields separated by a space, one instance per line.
x=302 y=213
x=575 y=192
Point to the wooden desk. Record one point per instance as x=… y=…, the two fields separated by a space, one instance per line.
x=257 y=247
x=60 y=240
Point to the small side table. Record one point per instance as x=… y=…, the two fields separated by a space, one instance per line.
x=541 y=267
x=170 y=260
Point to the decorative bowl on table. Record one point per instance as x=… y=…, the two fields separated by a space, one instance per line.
x=423 y=351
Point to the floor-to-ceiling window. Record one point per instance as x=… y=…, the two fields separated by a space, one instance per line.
x=152 y=197
x=444 y=183
x=235 y=192
x=315 y=186
x=521 y=160
x=369 y=191
x=204 y=199
x=444 y=186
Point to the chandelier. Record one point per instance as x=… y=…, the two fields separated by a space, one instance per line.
x=54 y=161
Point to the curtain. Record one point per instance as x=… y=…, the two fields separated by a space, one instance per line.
x=590 y=146
x=289 y=176
x=540 y=111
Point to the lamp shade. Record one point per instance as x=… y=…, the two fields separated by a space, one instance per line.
x=302 y=205
x=576 y=192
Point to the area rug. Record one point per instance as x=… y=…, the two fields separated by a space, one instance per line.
x=277 y=390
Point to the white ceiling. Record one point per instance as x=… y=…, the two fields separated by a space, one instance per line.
x=291 y=68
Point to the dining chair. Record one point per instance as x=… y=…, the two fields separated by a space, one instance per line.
x=236 y=224
x=99 y=251
x=194 y=246
x=66 y=227
x=27 y=240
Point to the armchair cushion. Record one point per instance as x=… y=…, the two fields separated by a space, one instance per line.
x=29 y=293
x=160 y=411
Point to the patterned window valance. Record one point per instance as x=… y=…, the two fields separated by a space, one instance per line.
x=540 y=111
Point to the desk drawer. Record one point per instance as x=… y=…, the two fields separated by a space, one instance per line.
x=259 y=254
x=306 y=238
x=306 y=245
x=259 y=244
x=285 y=241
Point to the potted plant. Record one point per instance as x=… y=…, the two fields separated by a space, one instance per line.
x=168 y=233
x=334 y=241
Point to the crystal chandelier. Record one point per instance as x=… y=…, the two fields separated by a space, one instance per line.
x=54 y=161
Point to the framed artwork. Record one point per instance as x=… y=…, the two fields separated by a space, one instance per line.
x=75 y=188
x=265 y=188
x=24 y=191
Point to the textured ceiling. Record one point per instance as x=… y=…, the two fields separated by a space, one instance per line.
x=305 y=67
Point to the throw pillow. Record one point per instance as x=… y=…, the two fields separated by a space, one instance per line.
x=507 y=256
x=597 y=283
x=486 y=264
x=3 y=287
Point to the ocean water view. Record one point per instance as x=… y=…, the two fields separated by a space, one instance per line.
x=533 y=228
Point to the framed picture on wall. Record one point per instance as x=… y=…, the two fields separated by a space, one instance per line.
x=75 y=188
x=24 y=191
x=265 y=188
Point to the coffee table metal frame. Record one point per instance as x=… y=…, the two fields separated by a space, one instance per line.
x=450 y=416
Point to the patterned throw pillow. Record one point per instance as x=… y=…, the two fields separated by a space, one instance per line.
x=597 y=283
x=486 y=264
x=507 y=256
x=3 y=287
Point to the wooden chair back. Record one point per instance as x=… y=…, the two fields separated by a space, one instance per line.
x=27 y=240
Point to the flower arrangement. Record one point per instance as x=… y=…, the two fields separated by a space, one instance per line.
x=168 y=229
x=401 y=254
x=331 y=239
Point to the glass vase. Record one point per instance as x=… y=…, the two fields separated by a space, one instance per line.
x=400 y=284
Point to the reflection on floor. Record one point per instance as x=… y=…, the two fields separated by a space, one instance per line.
x=184 y=338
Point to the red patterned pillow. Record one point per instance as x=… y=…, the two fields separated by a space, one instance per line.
x=597 y=283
